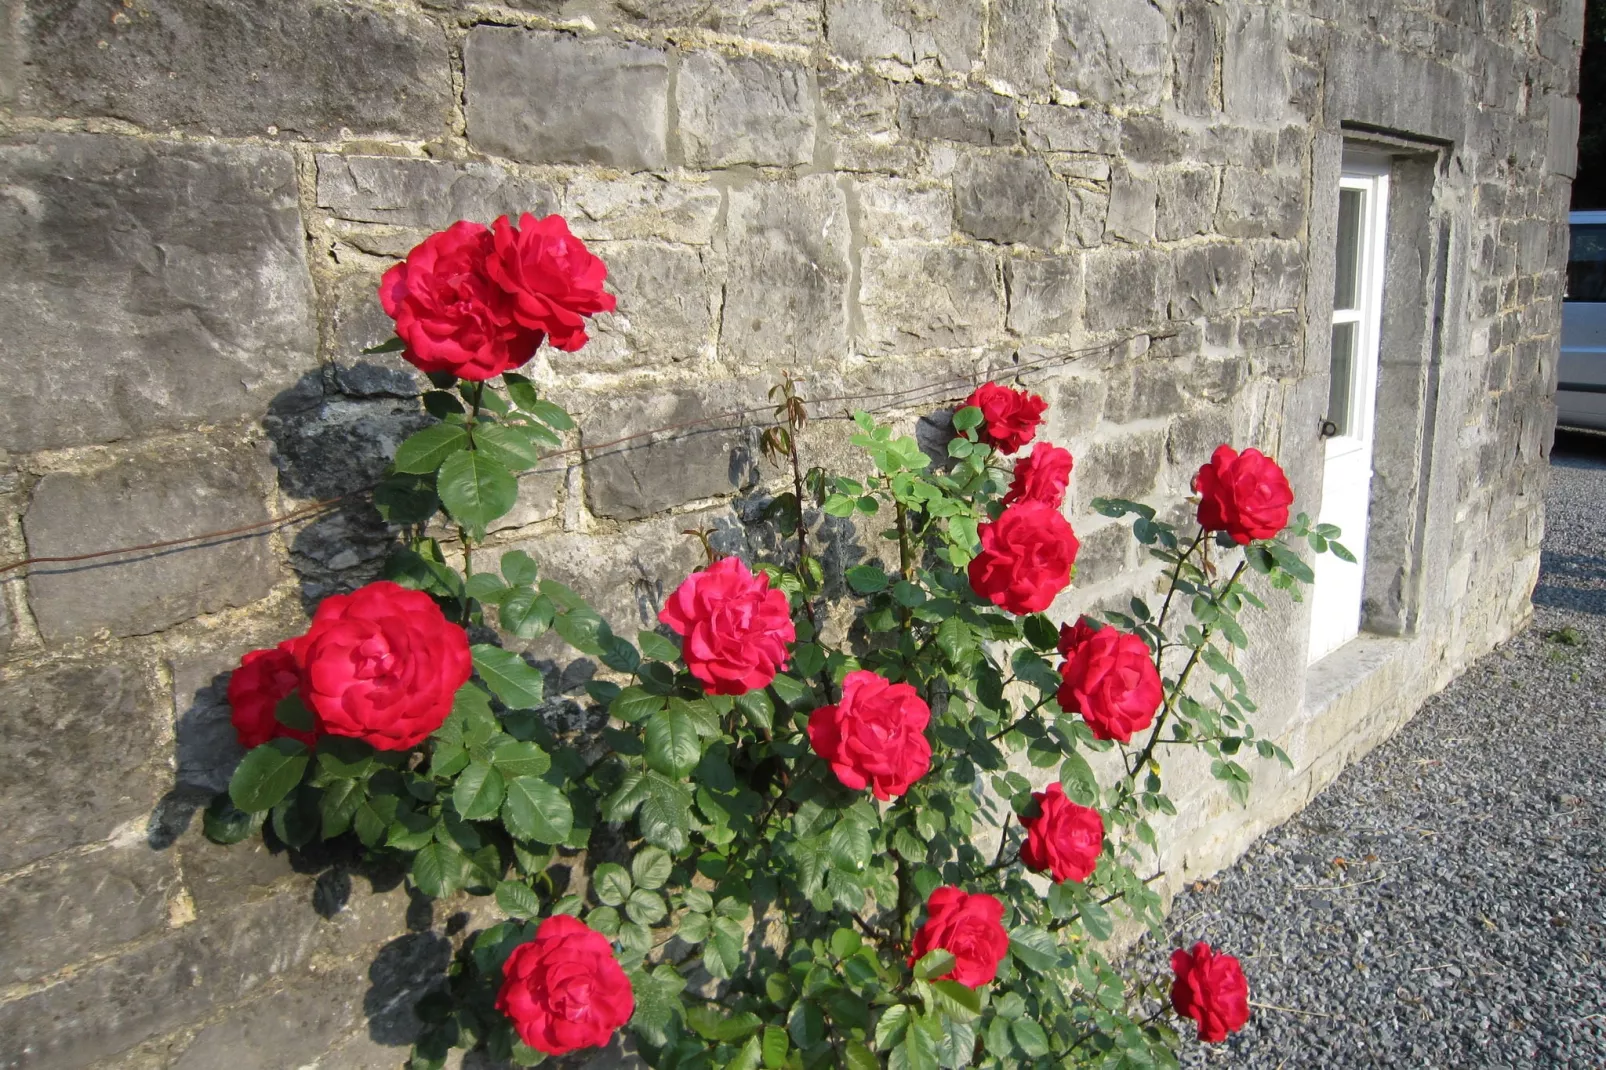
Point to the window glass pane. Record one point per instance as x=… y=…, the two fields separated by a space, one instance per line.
x=1586 y=264
x=1341 y=387
x=1346 y=280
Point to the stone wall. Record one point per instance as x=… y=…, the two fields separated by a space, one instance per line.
x=1132 y=199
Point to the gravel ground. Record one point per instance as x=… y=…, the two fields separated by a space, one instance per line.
x=1443 y=903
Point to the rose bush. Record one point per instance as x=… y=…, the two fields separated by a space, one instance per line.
x=800 y=765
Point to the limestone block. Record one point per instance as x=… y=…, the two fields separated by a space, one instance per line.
x=1019 y=41
x=1111 y=51
x=665 y=310
x=1132 y=209
x=917 y=297
x=146 y=286
x=1209 y=278
x=743 y=110
x=947 y=32
x=430 y=194
x=60 y=722
x=551 y=98
x=292 y=1027
x=1124 y=465
x=1254 y=66
x=974 y=116
x=641 y=206
x=1089 y=210
x=1255 y=204
x=1196 y=41
x=896 y=209
x=68 y=911
x=1187 y=203
x=1062 y=129
x=148 y=498
x=114 y=1004
x=1010 y=199
x=648 y=475
x=1126 y=288
x=1279 y=274
x=1144 y=390
x=216 y=67
x=794 y=22
x=1044 y=295
x=861 y=112
x=788 y=271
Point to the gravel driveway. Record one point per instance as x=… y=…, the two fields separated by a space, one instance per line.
x=1443 y=903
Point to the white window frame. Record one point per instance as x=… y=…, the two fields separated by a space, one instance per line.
x=1369 y=175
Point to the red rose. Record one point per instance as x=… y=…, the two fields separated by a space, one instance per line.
x=382 y=664
x=1026 y=557
x=263 y=680
x=564 y=990
x=1109 y=678
x=735 y=625
x=1009 y=417
x=1064 y=839
x=875 y=737
x=1041 y=476
x=1246 y=495
x=968 y=927
x=554 y=281
x=1210 y=989
x=450 y=313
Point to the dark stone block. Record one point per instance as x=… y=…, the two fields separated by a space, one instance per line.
x=81 y=907
x=980 y=118
x=81 y=754
x=150 y=497
x=167 y=282
x=1126 y=288
x=551 y=98
x=1010 y=199
x=113 y=1005
x=648 y=475
x=225 y=67
x=431 y=194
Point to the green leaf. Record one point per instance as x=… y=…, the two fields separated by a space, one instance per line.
x=665 y=814
x=512 y=679
x=1030 y=1037
x=934 y=964
x=611 y=884
x=485 y=587
x=776 y=1044
x=892 y=1025
x=478 y=794
x=513 y=758
x=722 y=952
x=790 y=690
x=1040 y=632
x=422 y=452
x=226 y=823
x=1341 y=551
x=1096 y=920
x=633 y=705
x=267 y=773
x=582 y=629
x=535 y=810
x=656 y=647
x=866 y=579
x=406 y=499
x=968 y=417
x=1034 y=947
x=525 y=613
x=859 y=1057
x=651 y=867
x=339 y=805
x=518 y=900
x=389 y=345
x=519 y=568
x=549 y=414
x=917 y=1052
x=475 y=489
x=646 y=908
x=758 y=708
x=290 y=712
x=507 y=445
x=439 y=870
x=956 y=999
x=673 y=744
x=1078 y=780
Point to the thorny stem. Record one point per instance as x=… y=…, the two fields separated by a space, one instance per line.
x=1182 y=682
x=1176 y=575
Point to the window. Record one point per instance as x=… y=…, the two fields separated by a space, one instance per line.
x=1586 y=263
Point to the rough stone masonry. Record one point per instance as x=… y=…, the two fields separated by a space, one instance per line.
x=1133 y=198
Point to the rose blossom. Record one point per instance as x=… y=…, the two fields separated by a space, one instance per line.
x=1210 y=989
x=968 y=927
x=564 y=990
x=1064 y=839
x=452 y=316
x=1009 y=417
x=735 y=626
x=875 y=737
x=1109 y=678
x=263 y=680
x=1041 y=476
x=1025 y=559
x=1246 y=495
x=555 y=282
x=382 y=664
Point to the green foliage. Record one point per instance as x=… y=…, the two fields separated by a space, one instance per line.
x=718 y=842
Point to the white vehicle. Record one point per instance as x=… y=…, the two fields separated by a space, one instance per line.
x=1581 y=378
